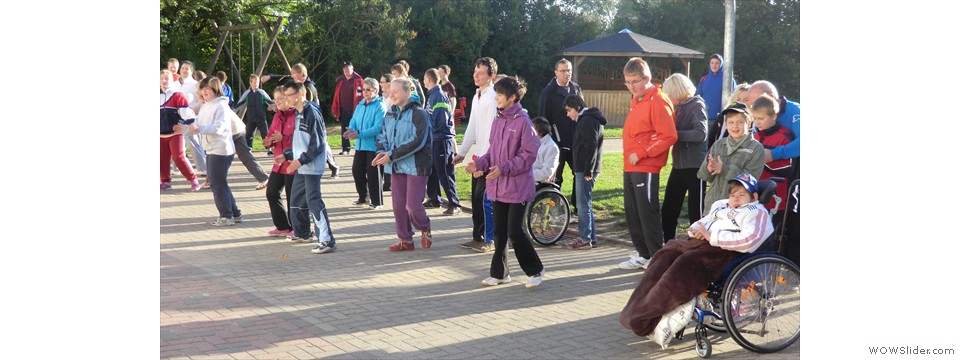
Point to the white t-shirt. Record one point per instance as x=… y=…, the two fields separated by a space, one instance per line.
x=481 y=122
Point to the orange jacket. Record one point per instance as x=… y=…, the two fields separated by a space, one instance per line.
x=649 y=131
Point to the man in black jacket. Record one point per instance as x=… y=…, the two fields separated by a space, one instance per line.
x=551 y=107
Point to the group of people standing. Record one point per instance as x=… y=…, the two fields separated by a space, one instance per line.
x=404 y=140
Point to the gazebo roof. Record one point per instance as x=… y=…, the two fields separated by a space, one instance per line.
x=627 y=43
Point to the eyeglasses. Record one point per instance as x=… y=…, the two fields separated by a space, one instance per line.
x=632 y=83
x=368 y=90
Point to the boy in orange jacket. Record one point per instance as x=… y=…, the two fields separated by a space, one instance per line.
x=648 y=133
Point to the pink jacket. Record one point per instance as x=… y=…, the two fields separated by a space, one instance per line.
x=284 y=122
x=513 y=148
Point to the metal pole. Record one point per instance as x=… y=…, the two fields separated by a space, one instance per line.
x=729 y=30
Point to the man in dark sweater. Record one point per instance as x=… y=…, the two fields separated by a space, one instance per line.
x=346 y=96
x=551 y=107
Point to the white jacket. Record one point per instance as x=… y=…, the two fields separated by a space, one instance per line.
x=482 y=113
x=548 y=159
x=740 y=229
x=215 y=128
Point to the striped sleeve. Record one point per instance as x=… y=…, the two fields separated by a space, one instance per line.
x=755 y=227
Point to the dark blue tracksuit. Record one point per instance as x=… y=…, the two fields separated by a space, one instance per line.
x=441 y=121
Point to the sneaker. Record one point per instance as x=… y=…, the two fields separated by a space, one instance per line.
x=270 y=152
x=535 y=280
x=206 y=184
x=573 y=218
x=324 y=248
x=292 y=235
x=431 y=205
x=195 y=185
x=426 y=239
x=278 y=232
x=635 y=262
x=375 y=207
x=453 y=210
x=401 y=246
x=471 y=244
x=223 y=222
x=491 y=281
x=359 y=203
x=581 y=245
x=238 y=219
x=262 y=185
x=484 y=247
x=335 y=173
x=345 y=152
x=165 y=185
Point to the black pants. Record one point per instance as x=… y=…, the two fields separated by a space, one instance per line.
x=252 y=125
x=511 y=215
x=442 y=175
x=367 y=177
x=641 y=205
x=479 y=186
x=278 y=211
x=566 y=156
x=345 y=116
x=680 y=182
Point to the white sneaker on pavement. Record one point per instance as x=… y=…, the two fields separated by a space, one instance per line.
x=635 y=262
x=491 y=281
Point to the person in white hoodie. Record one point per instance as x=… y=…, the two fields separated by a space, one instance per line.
x=548 y=155
x=216 y=136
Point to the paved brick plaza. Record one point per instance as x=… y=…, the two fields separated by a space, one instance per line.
x=235 y=293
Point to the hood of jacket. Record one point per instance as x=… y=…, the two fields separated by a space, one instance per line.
x=596 y=114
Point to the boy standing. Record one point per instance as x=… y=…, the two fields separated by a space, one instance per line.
x=256 y=116
x=444 y=146
x=764 y=111
x=648 y=133
x=309 y=144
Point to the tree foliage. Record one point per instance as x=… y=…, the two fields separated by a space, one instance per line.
x=524 y=36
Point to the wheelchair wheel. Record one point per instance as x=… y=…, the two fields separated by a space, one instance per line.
x=704 y=349
x=761 y=304
x=547 y=217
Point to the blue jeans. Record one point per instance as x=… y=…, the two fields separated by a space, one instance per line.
x=587 y=224
x=305 y=198
x=217 y=176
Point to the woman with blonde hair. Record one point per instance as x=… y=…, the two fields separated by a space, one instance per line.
x=688 y=153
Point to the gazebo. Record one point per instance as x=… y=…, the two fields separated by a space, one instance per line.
x=601 y=77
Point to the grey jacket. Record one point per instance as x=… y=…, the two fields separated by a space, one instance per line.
x=738 y=158
x=691 y=146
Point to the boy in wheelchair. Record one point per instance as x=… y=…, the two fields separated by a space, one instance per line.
x=682 y=269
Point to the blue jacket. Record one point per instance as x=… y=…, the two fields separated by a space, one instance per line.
x=309 y=141
x=789 y=118
x=441 y=118
x=406 y=138
x=367 y=120
x=711 y=90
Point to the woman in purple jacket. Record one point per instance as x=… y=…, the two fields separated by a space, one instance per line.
x=510 y=185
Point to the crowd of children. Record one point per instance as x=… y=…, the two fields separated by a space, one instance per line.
x=404 y=142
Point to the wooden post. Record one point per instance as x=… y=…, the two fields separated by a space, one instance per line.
x=577 y=60
x=687 y=63
x=266 y=50
x=276 y=44
x=216 y=54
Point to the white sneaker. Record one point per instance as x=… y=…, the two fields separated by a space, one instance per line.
x=491 y=281
x=635 y=262
x=223 y=222
x=535 y=281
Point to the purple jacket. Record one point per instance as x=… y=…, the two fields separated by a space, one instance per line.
x=513 y=148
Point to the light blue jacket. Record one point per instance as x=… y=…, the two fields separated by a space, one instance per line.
x=406 y=138
x=367 y=121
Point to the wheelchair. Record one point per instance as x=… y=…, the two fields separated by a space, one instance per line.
x=757 y=299
x=546 y=218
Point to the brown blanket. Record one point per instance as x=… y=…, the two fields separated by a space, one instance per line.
x=678 y=272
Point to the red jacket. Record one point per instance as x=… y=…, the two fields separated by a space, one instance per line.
x=649 y=131
x=284 y=122
x=771 y=138
x=354 y=86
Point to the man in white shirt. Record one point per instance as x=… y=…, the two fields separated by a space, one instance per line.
x=482 y=113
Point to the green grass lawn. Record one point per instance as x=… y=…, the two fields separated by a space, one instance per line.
x=607 y=192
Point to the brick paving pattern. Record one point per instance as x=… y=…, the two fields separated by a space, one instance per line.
x=236 y=293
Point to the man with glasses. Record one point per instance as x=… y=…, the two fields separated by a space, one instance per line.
x=551 y=107
x=648 y=133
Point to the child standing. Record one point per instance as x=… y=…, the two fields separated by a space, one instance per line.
x=173 y=111
x=508 y=163
x=256 y=116
x=764 y=111
x=280 y=138
x=548 y=155
x=587 y=162
x=735 y=154
x=444 y=146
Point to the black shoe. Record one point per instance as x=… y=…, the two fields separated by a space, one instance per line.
x=453 y=210
x=270 y=152
x=345 y=152
x=431 y=205
x=335 y=173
